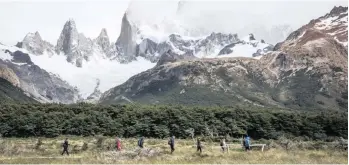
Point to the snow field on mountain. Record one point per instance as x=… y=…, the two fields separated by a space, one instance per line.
x=110 y=73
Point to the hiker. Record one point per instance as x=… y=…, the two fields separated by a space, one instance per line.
x=198 y=145
x=65 y=146
x=223 y=145
x=118 y=144
x=246 y=142
x=140 y=142
x=171 y=143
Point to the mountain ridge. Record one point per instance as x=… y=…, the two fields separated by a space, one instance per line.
x=308 y=69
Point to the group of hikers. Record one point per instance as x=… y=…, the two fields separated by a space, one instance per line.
x=171 y=143
x=223 y=144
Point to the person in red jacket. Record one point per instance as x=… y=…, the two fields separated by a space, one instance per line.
x=118 y=144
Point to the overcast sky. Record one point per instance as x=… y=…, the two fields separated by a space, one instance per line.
x=48 y=17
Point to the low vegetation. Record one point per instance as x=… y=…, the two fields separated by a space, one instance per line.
x=102 y=150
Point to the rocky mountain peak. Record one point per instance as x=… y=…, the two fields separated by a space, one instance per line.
x=103 y=41
x=333 y=24
x=251 y=37
x=103 y=34
x=35 y=45
x=70 y=24
x=221 y=37
x=74 y=45
x=68 y=40
x=126 y=43
x=338 y=10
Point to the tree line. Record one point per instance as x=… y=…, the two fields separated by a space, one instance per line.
x=160 y=121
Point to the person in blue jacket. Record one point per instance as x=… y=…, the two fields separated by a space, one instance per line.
x=246 y=142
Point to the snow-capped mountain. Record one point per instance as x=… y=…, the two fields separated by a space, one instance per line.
x=334 y=24
x=102 y=42
x=96 y=65
x=74 y=45
x=33 y=79
x=35 y=45
x=308 y=70
x=272 y=34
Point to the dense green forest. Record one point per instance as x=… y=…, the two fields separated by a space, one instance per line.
x=50 y=120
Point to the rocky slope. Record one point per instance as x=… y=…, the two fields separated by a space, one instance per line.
x=12 y=94
x=333 y=25
x=308 y=70
x=17 y=68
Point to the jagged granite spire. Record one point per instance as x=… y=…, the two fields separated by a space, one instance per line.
x=103 y=41
x=126 y=43
x=35 y=45
x=68 y=40
x=73 y=44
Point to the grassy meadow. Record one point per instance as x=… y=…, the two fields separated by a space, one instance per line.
x=93 y=150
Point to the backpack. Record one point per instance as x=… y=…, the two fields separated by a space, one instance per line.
x=221 y=143
x=247 y=141
x=65 y=144
x=169 y=142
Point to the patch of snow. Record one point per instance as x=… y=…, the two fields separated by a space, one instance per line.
x=4 y=56
x=302 y=34
x=110 y=72
x=240 y=50
x=258 y=57
x=343 y=43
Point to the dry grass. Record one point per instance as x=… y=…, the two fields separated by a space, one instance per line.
x=157 y=151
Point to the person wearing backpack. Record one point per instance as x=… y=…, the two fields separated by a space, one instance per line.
x=198 y=145
x=65 y=146
x=223 y=145
x=247 y=142
x=171 y=143
x=118 y=144
x=140 y=142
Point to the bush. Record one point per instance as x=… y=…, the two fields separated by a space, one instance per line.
x=99 y=142
x=38 y=144
x=84 y=147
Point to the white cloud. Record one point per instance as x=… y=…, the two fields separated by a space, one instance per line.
x=48 y=17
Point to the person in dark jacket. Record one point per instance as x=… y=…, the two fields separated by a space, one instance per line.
x=171 y=142
x=198 y=145
x=140 y=142
x=65 y=146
